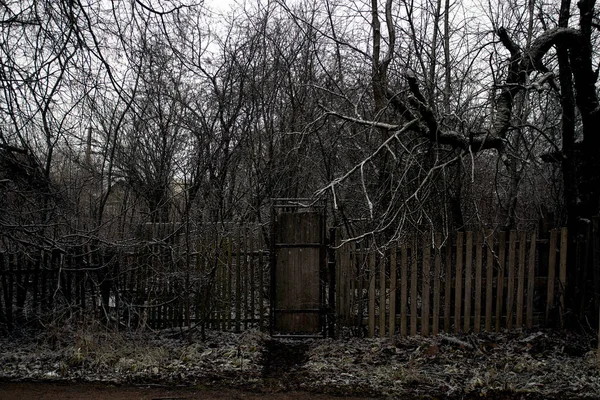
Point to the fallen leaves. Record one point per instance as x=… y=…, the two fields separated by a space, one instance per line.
x=532 y=364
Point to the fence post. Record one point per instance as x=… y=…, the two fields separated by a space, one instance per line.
x=562 y=274
x=596 y=261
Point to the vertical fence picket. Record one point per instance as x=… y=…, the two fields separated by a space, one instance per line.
x=371 y=313
x=340 y=281
x=224 y=294
x=198 y=269
x=228 y=280
x=500 y=281
x=478 y=273
x=413 y=287
x=426 y=286
x=21 y=287
x=44 y=282
x=489 y=281
x=403 y=289
x=238 y=285
x=261 y=286
x=448 y=287
x=596 y=260
x=343 y=276
x=468 y=281
x=227 y=283
x=530 y=281
x=510 y=295
x=382 y=297
x=9 y=287
x=393 y=282
x=521 y=279
x=360 y=284
x=35 y=291
x=3 y=273
x=252 y=283
x=551 y=274
x=458 y=281
x=436 y=284
x=562 y=274
x=352 y=284
x=5 y=266
x=245 y=280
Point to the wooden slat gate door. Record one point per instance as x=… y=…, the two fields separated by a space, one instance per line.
x=299 y=263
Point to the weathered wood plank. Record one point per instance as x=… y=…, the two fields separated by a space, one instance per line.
x=426 y=286
x=468 y=280
x=348 y=275
x=510 y=296
x=530 y=281
x=238 y=285
x=261 y=286
x=393 y=282
x=298 y=291
x=252 y=309
x=360 y=284
x=413 y=288
x=478 y=273
x=222 y=285
x=436 y=284
x=458 y=282
x=500 y=281
x=562 y=274
x=352 y=284
x=551 y=273
x=382 y=297
x=371 y=294
x=489 y=284
x=521 y=279
x=403 y=289
x=340 y=281
x=245 y=276
x=448 y=288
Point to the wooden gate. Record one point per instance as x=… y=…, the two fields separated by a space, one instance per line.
x=298 y=267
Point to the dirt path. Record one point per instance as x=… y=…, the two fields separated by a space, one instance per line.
x=82 y=391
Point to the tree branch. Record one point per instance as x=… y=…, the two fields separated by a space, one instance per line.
x=384 y=146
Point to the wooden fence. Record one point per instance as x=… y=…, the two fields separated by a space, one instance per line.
x=219 y=280
x=472 y=282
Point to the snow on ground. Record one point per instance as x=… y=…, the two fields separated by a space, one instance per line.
x=532 y=364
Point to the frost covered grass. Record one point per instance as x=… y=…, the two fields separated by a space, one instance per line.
x=532 y=364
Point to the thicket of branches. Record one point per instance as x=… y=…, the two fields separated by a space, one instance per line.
x=406 y=114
